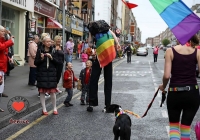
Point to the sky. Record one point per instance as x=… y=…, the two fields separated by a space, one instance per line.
x=148 y=20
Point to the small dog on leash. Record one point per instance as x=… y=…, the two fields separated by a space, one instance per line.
x=122 y=127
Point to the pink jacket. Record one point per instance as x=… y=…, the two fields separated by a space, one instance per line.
x=84 y=57
x=155 y=50
x=32 y=50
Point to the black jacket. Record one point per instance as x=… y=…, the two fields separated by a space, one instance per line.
x=128 y=50
x=46 y=76
x=82 y=76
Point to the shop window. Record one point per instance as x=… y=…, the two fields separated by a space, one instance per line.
x=10 y=20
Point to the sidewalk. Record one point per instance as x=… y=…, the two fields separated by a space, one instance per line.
x=17 y=85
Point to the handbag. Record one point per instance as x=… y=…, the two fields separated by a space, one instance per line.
x=11 y=65
x=197 y=130
x=79 y=85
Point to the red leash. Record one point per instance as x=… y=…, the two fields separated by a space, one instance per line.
x=149 y=106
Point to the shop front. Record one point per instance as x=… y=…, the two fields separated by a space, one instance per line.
x=77 y=29
x=59 y=18
x=42 y=12
x=13 y=19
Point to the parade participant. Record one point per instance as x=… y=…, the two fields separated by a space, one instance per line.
x=128 y=51
x=60 y=55
x=85 y=82
x=84 y=58
x=183 y=92
x=32 y=50
x=69 y=50
x=69 y=83
x=155 y=53
x=105 y=50
x=79 y=49
x=4 y=45
x=46 y=62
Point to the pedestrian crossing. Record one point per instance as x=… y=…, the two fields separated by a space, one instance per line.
x=131 y=73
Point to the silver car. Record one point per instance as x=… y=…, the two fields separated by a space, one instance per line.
x=142 y=51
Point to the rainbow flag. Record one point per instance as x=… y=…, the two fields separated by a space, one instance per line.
x=105 y=48
x=180 y=19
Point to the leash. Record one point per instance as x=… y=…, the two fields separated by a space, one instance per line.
x=132 y=113
x=149 y=106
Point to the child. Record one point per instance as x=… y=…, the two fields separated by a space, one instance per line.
x=84 y=58
x=85 y=81
x=69 y=83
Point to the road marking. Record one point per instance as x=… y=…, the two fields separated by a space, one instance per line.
x=50 y=112
x=167 y=127
x=164 y=114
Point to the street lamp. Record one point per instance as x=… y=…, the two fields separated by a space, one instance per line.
x=0 y=12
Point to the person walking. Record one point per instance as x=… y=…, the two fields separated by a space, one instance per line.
x=32 y=50
x=155 y=53
x=84 y=58
x=79 y=49
x=69 y=83
x=69 y=50
x=183 y=98
x=85 y=45
x=96 y=71
x=60 y=55
x=46 y=62
x=128 y=51
x=4 y=45
x=85 y=82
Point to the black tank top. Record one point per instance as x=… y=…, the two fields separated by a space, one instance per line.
x=183 y=69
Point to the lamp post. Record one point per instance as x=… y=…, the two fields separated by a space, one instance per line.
x=0 y=12
x=63 y=25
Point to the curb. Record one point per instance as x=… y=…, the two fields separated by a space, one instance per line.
x=5 y=120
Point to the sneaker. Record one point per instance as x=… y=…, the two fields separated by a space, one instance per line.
x=47 y=95
x=82 y=102
x=66 y=104
x=70 y=104
x=59 y=91
x=105 y=110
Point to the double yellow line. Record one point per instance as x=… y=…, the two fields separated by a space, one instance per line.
x=50 y=112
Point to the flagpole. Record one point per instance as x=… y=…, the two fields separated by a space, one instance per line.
x=0 y=12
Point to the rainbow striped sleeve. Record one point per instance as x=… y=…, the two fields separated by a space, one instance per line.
x=105 y=48
x=180 y=19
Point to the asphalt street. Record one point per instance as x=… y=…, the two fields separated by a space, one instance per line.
x=134 y=85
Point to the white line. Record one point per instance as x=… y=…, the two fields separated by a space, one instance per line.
x=164 y=114
x=167 y=127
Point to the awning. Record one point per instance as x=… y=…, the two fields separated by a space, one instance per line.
x=53 y=24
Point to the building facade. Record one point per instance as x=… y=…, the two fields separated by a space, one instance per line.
x=14 y=19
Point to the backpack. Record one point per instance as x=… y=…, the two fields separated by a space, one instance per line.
x=99 y=26
x=197 y=130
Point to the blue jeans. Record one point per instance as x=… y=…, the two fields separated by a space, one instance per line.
x=32 y=75
x=68 y=58
x=69 y=96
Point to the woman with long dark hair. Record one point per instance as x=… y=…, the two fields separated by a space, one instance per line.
x=183 y=98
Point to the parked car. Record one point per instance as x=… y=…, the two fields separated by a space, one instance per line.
x=142 y=51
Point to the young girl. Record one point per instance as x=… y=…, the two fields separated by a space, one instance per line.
x=84 y=58
x=69 y=83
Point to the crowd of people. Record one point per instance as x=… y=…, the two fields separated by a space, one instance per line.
x=47 y=58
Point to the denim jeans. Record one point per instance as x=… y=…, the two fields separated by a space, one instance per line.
x=85 y=91
x=69 y=96
x=68 y=58
x=32 y=75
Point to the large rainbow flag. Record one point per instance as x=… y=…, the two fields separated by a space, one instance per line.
x=180 y=19
x=105 y=48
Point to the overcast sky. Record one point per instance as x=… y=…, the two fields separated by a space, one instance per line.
x=148 y=20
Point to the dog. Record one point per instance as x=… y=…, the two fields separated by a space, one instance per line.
x=122 y=127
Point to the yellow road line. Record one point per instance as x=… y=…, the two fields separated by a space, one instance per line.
x=50 y=112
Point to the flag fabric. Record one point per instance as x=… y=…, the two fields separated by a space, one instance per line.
x=180 y=19
x=105 y=48
x=129 y=5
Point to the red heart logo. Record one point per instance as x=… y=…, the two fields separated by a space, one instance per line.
x=18 y=106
